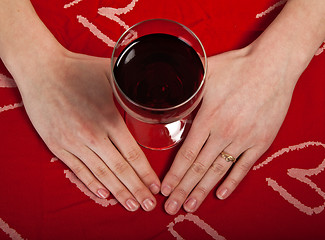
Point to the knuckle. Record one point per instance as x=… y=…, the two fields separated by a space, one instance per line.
x=56 y=150
x=139 y=191
x=101 y=171
x=91 y=139
x=181 y=193
x=218 y=168
x=229 y=130
x=174 y=177
x=120 y=168
x=198 y=168
x=211 y=115
x=188 y=155
x=145 y=175
x=233 y=182
x=78 y=169
x=52 y=144
x=244 y=166
x=202 y=191
x=88 y=135
x=265 y=138
x=90 y=184
x=120 y=193
x=133 y=156
x=66 y=140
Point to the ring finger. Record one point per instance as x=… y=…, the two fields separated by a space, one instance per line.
x=83 y=173
x=239 y=171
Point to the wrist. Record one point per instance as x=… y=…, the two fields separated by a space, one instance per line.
x=287 y=63
x=25 y=42
x=293 y=38
x=31 y=56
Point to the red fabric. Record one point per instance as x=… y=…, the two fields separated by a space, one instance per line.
x=38 y=200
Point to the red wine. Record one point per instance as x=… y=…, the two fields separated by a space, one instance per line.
x=158 y=71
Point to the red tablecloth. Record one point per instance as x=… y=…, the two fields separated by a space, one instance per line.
x=283 y=196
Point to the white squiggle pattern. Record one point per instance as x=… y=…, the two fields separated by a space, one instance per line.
x=54 y=159
x=10 y=107
x=9 y=231
x=6 y=82
x=72 y=177
x=270 y=9
x=320 y=50
x=286 y=150
x=72 y=3
x=196 y=220
x=300 y=174
x=110 y=13
x=103 y=202
x=94 y=30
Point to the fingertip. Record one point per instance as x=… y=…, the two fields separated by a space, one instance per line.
x=148 y=204
x=102 y=193
x=190 y=205
x=171 y=207
x=222 y=193
x=132 y=205
x=154 y=188
x=166 y=190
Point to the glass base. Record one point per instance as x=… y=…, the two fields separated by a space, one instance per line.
x=158 y=136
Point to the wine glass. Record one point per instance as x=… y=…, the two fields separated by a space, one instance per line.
x=158 y=72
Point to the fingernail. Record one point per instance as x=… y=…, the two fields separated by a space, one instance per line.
x=132 y=205
x=148 y=204
x=190 y=204
x=154 y=188
x=166 y=190
x=222 y=194
x=172 y=207
x=103 y=193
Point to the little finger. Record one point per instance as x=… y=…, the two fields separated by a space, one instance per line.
x=239 y=171
x=103 y=174
x=83 y=173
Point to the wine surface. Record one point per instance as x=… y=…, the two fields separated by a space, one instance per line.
x=158 y=71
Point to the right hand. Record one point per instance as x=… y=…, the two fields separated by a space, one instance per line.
x=69 y=101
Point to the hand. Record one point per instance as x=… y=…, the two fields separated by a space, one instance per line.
x=245 y=102
x=69 y=101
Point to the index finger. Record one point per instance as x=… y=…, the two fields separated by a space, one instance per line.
x=185 y=157
x=130 y=150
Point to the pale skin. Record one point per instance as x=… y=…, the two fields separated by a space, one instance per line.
x=248 y=92
x=247 y=97
x=69 y=101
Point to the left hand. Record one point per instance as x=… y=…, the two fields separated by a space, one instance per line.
x=246 y=98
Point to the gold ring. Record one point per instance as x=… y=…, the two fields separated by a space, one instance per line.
x=228 y=157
